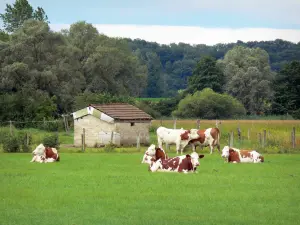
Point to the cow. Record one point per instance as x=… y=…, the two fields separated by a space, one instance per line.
x=179 y=137
x=45 y=154
x=153 y=154
x=184 y=163
x=234 y=155
x=208 y=137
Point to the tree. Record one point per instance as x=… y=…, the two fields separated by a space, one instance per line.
x=206 y=75
x=15 y=15
x=249 y=77
x=287 y=89
x=208 y=104
x=4 y=36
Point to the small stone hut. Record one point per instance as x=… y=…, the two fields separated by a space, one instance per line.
x=120 y=123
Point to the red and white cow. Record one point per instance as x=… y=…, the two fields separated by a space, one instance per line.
x=185 y=163
x=45 y=154
x=234 y=155
x=208 y=137
x=179 y=137
x=153 y=154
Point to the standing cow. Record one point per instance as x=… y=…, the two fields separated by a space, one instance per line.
x=179 y=137
x=208 y=137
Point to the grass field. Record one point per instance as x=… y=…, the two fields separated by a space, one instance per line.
x=115 y=188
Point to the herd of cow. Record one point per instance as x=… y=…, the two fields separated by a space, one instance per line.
x=157 y=158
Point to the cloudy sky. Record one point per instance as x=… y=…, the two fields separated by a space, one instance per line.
x=190 y=21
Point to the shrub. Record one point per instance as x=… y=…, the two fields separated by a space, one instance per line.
x=11 y=144
x=208 y=104
x=51 y=141
x=110 y=147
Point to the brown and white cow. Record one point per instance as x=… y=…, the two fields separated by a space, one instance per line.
x=174 y=136
x=185 y=163
x=234 y=155
x=153 y=154
x=208 y=137
x=44 y=154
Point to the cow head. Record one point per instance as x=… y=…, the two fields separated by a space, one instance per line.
x=225 y=152
x=149 y=154
x=195 y=158
x=40 y=150
x=189 y=134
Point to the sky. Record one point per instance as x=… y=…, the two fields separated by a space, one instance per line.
x=173 y=21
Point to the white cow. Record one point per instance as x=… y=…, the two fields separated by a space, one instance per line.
x=41 y=155
x=179 y=137
x=149 y=154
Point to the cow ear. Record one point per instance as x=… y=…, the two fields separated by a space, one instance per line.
x=201 y=156
x=188 y=156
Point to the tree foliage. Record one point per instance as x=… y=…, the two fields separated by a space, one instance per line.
x=287 y=89
x=15 y=15
x=206 y=75
x=207 y=104
x=249 y=77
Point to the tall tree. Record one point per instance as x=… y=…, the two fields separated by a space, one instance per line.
x=16 y=14
x=206 y=75
x=287 y=89
x=249 y=77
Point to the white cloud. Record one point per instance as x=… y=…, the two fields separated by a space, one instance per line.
x=192 y=35
x=286 y=11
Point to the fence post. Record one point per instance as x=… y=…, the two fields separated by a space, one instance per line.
x=239 y=133
x=10 y=127
x=264 y=142
x=259 y=138
x=231 y=139
x=175 y=123
x=83 y=139
x=167 y=146
x=294 y=137
x=198 y=124
x=27 y=139
x=138 y=141
x=217 y=123
x=248 y=134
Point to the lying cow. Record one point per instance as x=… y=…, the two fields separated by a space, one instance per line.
x=153 y=154
x=207 y=137
x=185 y=163
x=234 y=155
x=179 y=137
x=45 y=154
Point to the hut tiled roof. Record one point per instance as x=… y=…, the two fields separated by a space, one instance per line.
x=122 y=111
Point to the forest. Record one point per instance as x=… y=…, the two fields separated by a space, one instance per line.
x=45 y=74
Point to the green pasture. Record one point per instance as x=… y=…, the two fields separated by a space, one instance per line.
x=114 y=188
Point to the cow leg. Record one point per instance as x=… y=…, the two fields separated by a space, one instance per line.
x=160 y=142
x=33 y=158
x=211 y=149
x=193 y=147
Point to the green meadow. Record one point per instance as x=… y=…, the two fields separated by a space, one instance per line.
x=115 y=188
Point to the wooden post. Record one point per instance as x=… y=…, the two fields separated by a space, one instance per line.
x=112 y=137
x=10 y=127
x=175 y=123
x=44 y=121
x=83 y=139
x=138 y=141
x=198 y=124
x=294 y=137
x=239 y=133
x=259 y=138
x=167 y=147
x=248 y=134
x=231 y=139
x=264 y=142
x=27 y=139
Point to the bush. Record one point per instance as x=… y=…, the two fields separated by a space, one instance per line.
x=11 y=144
x=208 y=104
x=51 y=141
x=110 y=147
